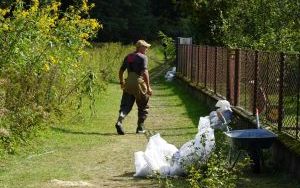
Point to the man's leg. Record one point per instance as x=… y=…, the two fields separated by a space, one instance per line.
x=143 y=108
x=127 y=102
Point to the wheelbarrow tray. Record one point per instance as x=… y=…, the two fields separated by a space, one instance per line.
x=251 y=139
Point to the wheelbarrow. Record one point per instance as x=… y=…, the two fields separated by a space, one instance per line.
x=251 y=141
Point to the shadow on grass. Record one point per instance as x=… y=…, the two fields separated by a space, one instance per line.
x=176 y=128
x=126 y=175
x=68 y=131
x=194 y=108
x=170 y=134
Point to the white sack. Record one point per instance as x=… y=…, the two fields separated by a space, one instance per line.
x=142 y=168
x=156 y=158
x=223 y=105
x=170 y=75
x=199 y=149
x=158 y=154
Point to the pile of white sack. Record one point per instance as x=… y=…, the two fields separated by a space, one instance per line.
x=170 y=75
x=165 y=159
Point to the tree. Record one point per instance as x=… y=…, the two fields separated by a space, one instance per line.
x=124 y=20
x=258 y=24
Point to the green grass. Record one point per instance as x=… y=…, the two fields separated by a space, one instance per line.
x=87 y=148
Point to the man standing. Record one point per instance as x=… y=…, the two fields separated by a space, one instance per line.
x=136 y=88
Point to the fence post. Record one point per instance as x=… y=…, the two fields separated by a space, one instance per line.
x=185 y=60
x=237 y=78
x=280 y=100
x=254 y=105
x=215 y=73
x=198 y=66
x=298 y=99
x=230 y=75
x=205 y=68
x=176 y=52
x=192 y=60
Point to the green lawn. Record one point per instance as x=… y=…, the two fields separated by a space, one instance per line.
x=84 y=148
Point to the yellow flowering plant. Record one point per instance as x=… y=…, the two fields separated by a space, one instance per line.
x=41 y=47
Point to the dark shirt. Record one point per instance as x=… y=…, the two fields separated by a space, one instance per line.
x=135 y=62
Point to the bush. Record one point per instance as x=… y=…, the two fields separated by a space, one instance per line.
x=169 y=47
x=41 y=49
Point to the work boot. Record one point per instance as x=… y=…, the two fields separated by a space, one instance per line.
x=140 y=129
x=119 y=128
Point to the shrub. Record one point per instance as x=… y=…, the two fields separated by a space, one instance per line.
x=169 y=47
x=41 y=49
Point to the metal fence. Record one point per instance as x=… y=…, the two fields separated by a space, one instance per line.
x=249 y=80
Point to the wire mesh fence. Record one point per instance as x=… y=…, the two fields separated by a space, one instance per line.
x=248 y=79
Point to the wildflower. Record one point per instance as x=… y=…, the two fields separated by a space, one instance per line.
x=84 y=35
x=94 y=24
x=85 y=7
x=46 y=67
x=53 y=60
x=5 y=27
x=3 y=12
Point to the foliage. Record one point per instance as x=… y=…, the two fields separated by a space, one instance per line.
x=169 y=46
x=125 y=20
x=260 y=24
x=167 y=16
x=41 y=49
x=215 y=173
x=257 y=24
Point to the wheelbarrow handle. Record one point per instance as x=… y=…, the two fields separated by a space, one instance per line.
x=223 y=119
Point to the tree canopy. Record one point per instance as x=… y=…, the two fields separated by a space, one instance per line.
x=258 y=24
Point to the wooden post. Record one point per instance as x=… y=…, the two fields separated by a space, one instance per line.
x=230 y=75
x=280 y=100
x=215 y=73
x=237 y=78
x=205 y=68
x=298 y=100
x=254 y=105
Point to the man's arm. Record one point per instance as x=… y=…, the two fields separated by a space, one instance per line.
x=121 y=72
x=147 y=81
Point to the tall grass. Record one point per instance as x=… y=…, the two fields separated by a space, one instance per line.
x=98 y=67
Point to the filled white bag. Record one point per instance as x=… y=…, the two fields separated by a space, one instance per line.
x=199 y=149
x=170 y=75
x=158 y=154
x=142 y=168
x=156 y=158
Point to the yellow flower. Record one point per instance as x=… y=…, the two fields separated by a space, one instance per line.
x=53 y=60
x=35 y=6
x=94 y=24
x=5 y=27
x=85 y=6
x=24 y=14
x=55 y=6
x=46 y=67
x=3 y=12
x=84 y=35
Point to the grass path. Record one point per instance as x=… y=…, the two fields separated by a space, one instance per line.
x=90 y=151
